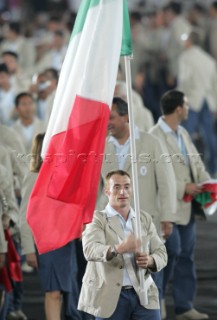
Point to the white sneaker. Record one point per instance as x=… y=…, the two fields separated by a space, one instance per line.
x=26 y=268
x=12 y=316
x=20 y=315
x=192 y=314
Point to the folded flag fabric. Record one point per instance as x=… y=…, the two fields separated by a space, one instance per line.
x=12 y=270
x=208 y=197
x=63 y=198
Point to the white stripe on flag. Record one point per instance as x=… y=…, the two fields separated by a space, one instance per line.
x=90 y=65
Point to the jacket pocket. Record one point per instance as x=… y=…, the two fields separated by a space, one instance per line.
x=92 y=281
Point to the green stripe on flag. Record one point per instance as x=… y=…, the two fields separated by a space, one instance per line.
x=204 y=198
x=126 y=48
x=82 y=14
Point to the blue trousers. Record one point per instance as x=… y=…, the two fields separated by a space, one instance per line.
x=4 y=309
x=70 y=302
x=203 y=122
x=158 y=279
x=81 y=261
x=181 y=268
x=129 y=308
x=16 y=296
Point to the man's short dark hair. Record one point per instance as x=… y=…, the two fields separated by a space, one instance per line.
x=199 y=8
x=55 y=19
x=10 y=53
x=214 y=5
x=121 y=106
x=4 y=68
x=174 y=6
x=118 y=172
x=59 y=33
x=20 y=96
x=15 y=27
x=194 y=38
x=53 y=72
x=135 y=15
x=171 y=100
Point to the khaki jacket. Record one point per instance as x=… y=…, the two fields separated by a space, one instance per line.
x=3 y=242
x=181 y=170
x=103 y=279
x=27 y=241
x=38 y=127
x=25 y=49
x=157 y=188
x=12 y=142
x=8 y=204
x=6 y=186
x=175 y=45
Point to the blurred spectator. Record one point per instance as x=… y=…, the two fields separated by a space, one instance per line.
x=44 y=87
x=74 y=5
x=20 y=81
x=138 y=42
x=55 y=56
x=13 y=303
x=16 y=162
x=8 y=216
x=58 y=268
x=7 y=96
x=197 y=78
x=52 y=76
x=42 y=93
x=39 y=5
x=14 y=7
x=177 y=26
x=27 y=124
x=212 y=39
x=14 y=41
x=198 y=18
x=154 y=69
x=45 y=41
x=2 y=5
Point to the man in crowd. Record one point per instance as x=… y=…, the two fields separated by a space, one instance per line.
x=27 y=124
x=197 y=77
x=156 y=178
x=110 y=286
x=156 y=181
x=189 y=173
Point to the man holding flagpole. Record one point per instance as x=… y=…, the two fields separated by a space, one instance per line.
x=110 y=287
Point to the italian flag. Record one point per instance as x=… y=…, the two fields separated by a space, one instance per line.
x=207 y=198
x=64 y=196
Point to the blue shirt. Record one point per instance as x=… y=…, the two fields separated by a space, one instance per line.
x=177 y=136
x=127 y=228
x=123 y=150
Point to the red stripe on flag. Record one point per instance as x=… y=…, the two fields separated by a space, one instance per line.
x=64 y=196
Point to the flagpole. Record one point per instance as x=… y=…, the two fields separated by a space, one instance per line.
x=127 y=60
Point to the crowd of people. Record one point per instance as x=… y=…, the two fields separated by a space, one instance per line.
x=174 y=97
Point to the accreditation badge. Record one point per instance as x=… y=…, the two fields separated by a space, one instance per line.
x=143 y=170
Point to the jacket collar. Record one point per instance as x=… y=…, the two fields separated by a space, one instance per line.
x=113 y=218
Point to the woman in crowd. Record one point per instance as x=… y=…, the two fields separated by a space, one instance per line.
x=57 y=269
